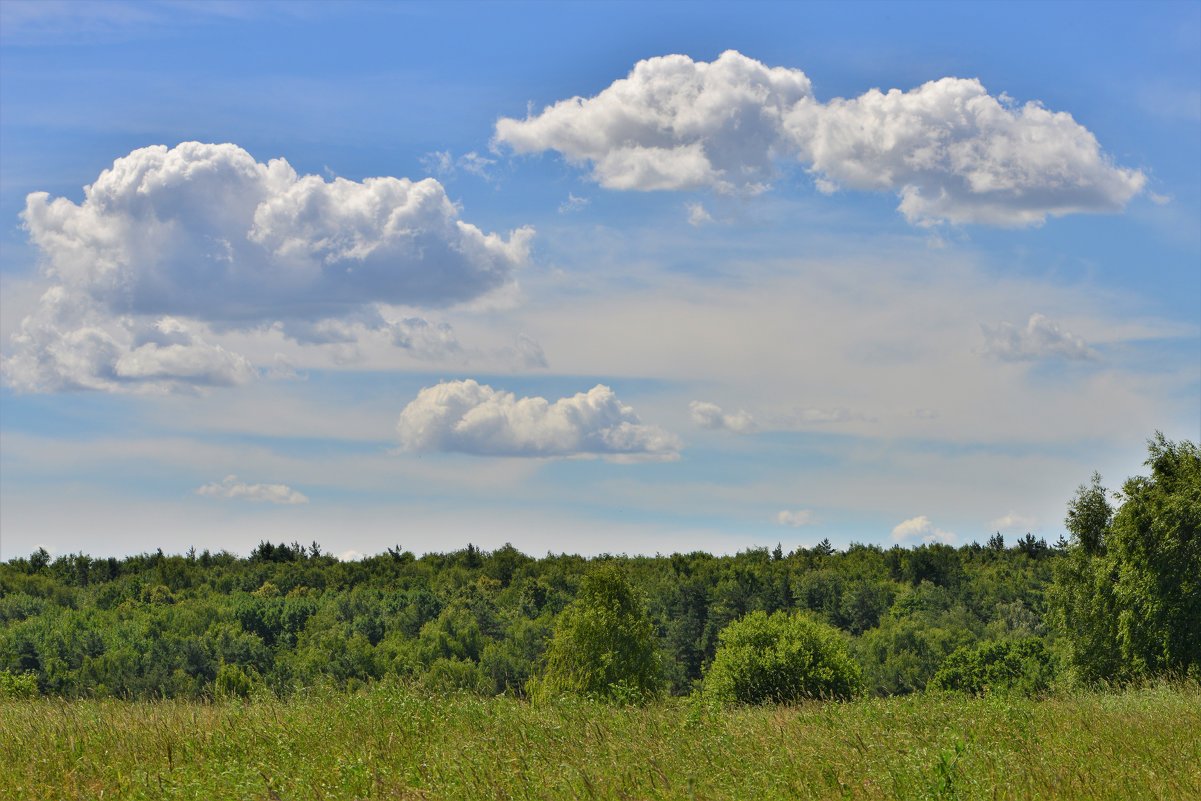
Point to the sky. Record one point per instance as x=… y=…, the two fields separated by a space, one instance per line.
x=588 y=277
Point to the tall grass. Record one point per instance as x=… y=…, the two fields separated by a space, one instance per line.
x=393 y=742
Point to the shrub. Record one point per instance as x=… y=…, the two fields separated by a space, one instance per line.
x=232 y=682
x=1024 y=666
x=780 y=658
x=18 y=685
x=447 y=675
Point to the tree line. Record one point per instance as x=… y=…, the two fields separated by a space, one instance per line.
x=1117 y=599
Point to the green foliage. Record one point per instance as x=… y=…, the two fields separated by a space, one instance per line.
x=603 y=645
x=1128 y=599
x=1089 y=516
x=925 y=624
x=1024 y=666
x=18 y=685
x=232 y=682
x=157 y=625
x=780 y=658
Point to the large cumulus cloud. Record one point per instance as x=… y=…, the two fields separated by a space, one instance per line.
x=948 y=149
x=469 y=417
x=204 y=236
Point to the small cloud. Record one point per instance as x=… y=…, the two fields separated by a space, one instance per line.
x=443 y=164
x=795 y=518
x=573 y=204
x=920 y=528
x=711 y=416
x=1011 y=522
x=439 y=162
x=1158 y=199
x=698 y=215
x=233 y=489
x=816 y=416
x=925 y=414
x=475 y=164
x=351 y=556
x=1040 y=339
x=469 y=417
x=425 y=340
x=825 y=186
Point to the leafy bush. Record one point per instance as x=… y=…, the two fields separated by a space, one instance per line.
x=604 y=643
x=232 y=682
x=18 y=685
x=780 y=658
x=1024 y=666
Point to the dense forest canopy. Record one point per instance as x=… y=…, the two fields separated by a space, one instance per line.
x=1120 y=599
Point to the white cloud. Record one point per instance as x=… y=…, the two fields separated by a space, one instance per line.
x=233 y=489
x=673 y=123
x=949 y=150
x=1040 y=339
x=66 y=345
x=697 y=215
x=468 y=417
x=1012 y=521
x=795 y=518
x=203 y=237
x=920 y=528
x=710 y=415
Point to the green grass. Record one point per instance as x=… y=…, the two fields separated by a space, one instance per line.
x=396 y=743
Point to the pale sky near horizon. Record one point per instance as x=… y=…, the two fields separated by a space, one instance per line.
x=588 y=277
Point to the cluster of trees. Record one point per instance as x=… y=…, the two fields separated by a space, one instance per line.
x=1117 y=601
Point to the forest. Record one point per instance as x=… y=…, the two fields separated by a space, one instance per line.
x=1116 y=599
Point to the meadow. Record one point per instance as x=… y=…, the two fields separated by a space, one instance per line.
x=395 y=741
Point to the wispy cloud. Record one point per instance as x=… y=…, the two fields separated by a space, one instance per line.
x=920 y=529
x=1041 y=338
x=445 y=165
x=231 y=488
x=795 y=517
x=698 y=215
x=573 y=204
x=711 y=416
x=1012 y=521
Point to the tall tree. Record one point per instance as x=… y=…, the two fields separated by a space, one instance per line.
x=604 y=643
x=1128 y=597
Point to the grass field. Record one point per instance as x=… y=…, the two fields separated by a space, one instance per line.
x=396 y=743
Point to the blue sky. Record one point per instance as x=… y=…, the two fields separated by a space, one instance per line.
x=404 y=289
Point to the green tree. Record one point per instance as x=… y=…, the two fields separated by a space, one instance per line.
x=780 y=658
x=1089 y=516
x=1128 y=597
x=604 y=643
